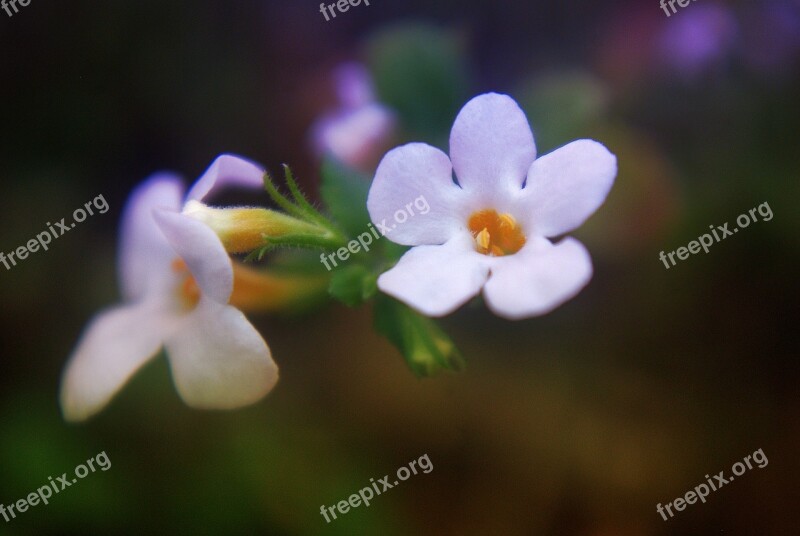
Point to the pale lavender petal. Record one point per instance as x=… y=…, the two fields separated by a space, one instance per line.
x=539 y=278
x=227 y=171
x=219 y=360
x=565 y=187
x=116 y=344
x=421 y=174
x=352 y=136
x=491 y=146
x=437 y=280
x=353 y=85
x=201 y=250
x=144 y=255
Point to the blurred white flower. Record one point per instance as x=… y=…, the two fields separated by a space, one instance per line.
x=176 y=281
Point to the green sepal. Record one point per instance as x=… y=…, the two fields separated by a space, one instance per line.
x=425 y=347
x=312 y=214
x=353 y=285
x=293 y=241
x=344 y=192
x=320 y=232
x=281 y=200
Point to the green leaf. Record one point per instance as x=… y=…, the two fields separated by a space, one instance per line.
x=562 y=106
x=420 y=72
x=393 y=252
x=353 y=285
x=425 y=347
x=345 y=194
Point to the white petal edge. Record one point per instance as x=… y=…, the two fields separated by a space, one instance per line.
x=144 y=254
x=437 y=280
x=219 y=360
x=227 y=170
x=491 y=146
x=567 y=186
x=538 y=279
x=413 y=179
x=201 y=250
x=115 y=344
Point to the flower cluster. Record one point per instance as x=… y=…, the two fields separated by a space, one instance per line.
x=494 y=212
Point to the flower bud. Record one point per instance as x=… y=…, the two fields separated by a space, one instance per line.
x=244 y=229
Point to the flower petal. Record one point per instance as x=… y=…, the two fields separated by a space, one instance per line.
x=566 y=186
x=219 y=360
x=491 y=145
x=353 y=85
x=145 y=255
x=538 y=279
x=437 y=280
x=352 y=136
x=227 y=170
x=201 y=250
x=113 y=347
x=421 y=174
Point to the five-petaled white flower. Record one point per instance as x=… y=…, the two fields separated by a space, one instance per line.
x=176 y=281
x=489 y=227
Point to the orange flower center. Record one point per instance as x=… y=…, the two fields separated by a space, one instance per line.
x=188 y=291
x=496 y=234
x=254 y=290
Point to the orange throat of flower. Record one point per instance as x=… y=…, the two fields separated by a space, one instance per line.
x=188 y=291
x=495 y=234
x=253 y=290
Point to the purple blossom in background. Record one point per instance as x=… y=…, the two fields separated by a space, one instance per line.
x=353 y=85
x=356 y=132
x=698 y=38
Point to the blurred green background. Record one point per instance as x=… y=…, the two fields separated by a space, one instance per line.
x=576 y=423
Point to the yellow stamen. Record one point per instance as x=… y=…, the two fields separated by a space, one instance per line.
x=483 y=239
x=496 y=234
x=508 y=221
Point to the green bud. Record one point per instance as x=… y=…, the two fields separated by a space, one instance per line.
x=425 y=347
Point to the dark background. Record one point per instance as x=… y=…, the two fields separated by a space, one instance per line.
x=579 y=422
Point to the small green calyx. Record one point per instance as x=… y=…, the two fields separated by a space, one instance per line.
x=425 y=347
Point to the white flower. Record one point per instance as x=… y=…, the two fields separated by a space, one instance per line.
x=490 y=229
x=176 y=281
